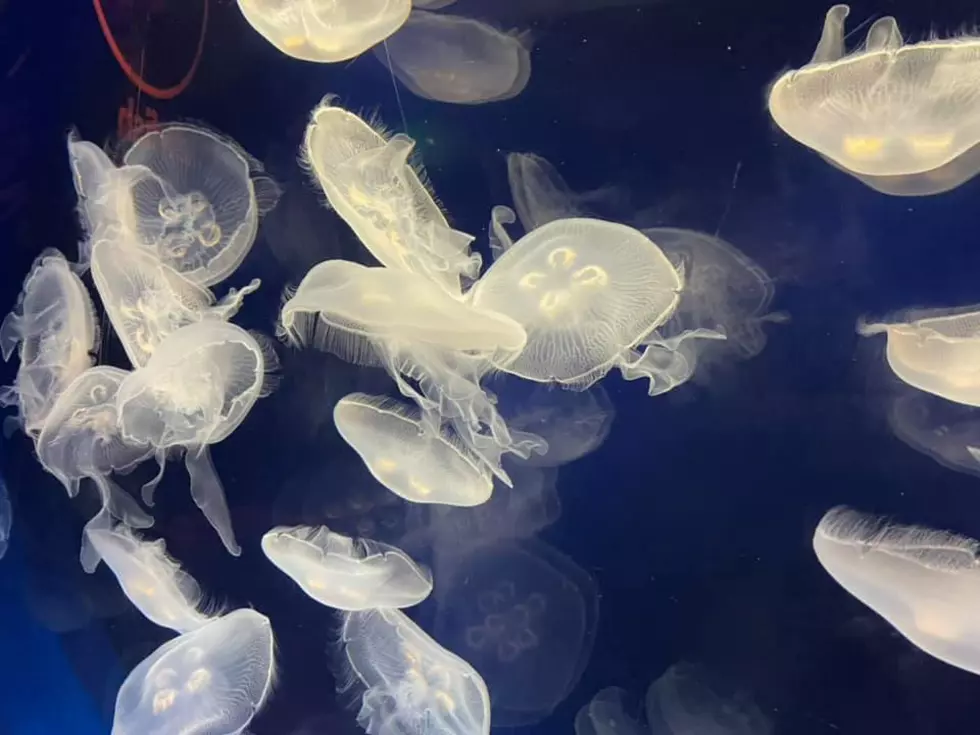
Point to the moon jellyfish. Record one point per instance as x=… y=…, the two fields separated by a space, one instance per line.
x=937 y=351
x=54 y=331
x=432 y=4
x=417 y=465
x=147 y=300
x=925 y=583
x=196 y=389
x=198 y=207
x=345 y=573
x=6 y=517
x=410 y=684
x=899 y=117
x=449 y=58
x=369 y=180
x=525 y=616
x=947 y=432
x=210 y=680
x=152 y=580
x=325 y=30
x=606 y=714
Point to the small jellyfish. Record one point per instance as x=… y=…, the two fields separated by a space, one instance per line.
x=948 y=432
x=415 y=464
x=449 y=58
x=431 y=4
x=210 y=680
x=345 y=573
x=6 y=517
x=325 y=30
x=899 y=117
x=925 y=583
x=410 y=683
x=606 y=714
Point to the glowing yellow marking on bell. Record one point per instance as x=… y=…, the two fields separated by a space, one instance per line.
x=164 y=700
x=553 y=301
x=385 y=465
x=531 y=280
x=145 y=589
x=446 y=701
x=562 y=258
x=210 y=242
x=863 y=147
x=199 y=679
x=930 y=145
x=419 y=487
x=316 y=584
x=411 y=656
x=938 y=620
x=292 y=42
x=358 y=197
x=590 y=275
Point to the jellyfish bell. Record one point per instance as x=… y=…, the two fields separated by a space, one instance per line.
x=947 y=432
x=606 y=714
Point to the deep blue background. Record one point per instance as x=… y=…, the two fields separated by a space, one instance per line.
x=694 y=519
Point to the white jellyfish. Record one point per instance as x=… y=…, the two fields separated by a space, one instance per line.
x=410 y=683
x=345 y=573
x=449 y=58
x=210 y=680
x=325 y=30
x=925 y=583
x=54 y=330
x=606 y=714
x=900 y=117
x=946 y=431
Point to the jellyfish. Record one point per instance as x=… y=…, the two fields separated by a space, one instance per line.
x=371 y=183
x=152 y=580
x=53 y=328
x=197 y=206
x=448 y=58
x=146 y=300
x=6 y=517
x=925 y=583
x=432 y=4
x=345 y=573
x=213 y=679
x=936 y=351
x=410 y=683
x=947 y=432
x=195 y=390
x=325 y=30
x=899 y=117
x=524 y=616
x=605 y=714
x=417 y=465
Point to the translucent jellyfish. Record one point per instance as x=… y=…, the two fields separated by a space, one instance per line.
x=449 y=58
x=385 y=199
x=410 y=684
x=325 y=30
x=195 y=390
x=198 y=207
x=925 y=583
x=54 y=330
x=900 y=117
x=937 y=351
x=419 y=466
x=606 y=714
x=6 y=517
x=151 y=578
x=947 y=432
x=525 y=616
x=688 y=700
x=210 y=680
x=147 y=300
x=432 y=4
x=345 y=573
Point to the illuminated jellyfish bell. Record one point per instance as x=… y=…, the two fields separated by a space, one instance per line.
x=900 y=117
x=213 y=679
x=937 y=351
x=345 y=573
x=152 y=580
x=54 y=330
x=195 y=390
x=147 y=300
x=385 y=199
x=449 y=58
x=925 y=583
x=948 y=432
x=419 y=466
x=197 y=206
x=409 y=682
x=606 y=714
x=325 y=30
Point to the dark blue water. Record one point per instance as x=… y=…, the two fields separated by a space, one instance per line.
x=689 y=529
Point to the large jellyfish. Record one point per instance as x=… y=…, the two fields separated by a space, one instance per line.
x=345 y=573
x=208 y=681
x=449 y=58
x=900 y=117
x=410 y=683
x=54 y=330
x=325 y=30
x=925 y=583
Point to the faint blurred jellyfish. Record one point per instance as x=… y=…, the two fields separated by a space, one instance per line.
x=410 y=683
x=448 y=58
x=325 y=30
x=606 y=714
x=525 y=617
x=211 y=680
x=346 y=573
x=900 y=117
x=948 y=432
x=925 y=583
x=6 y=517
x=432 y=4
